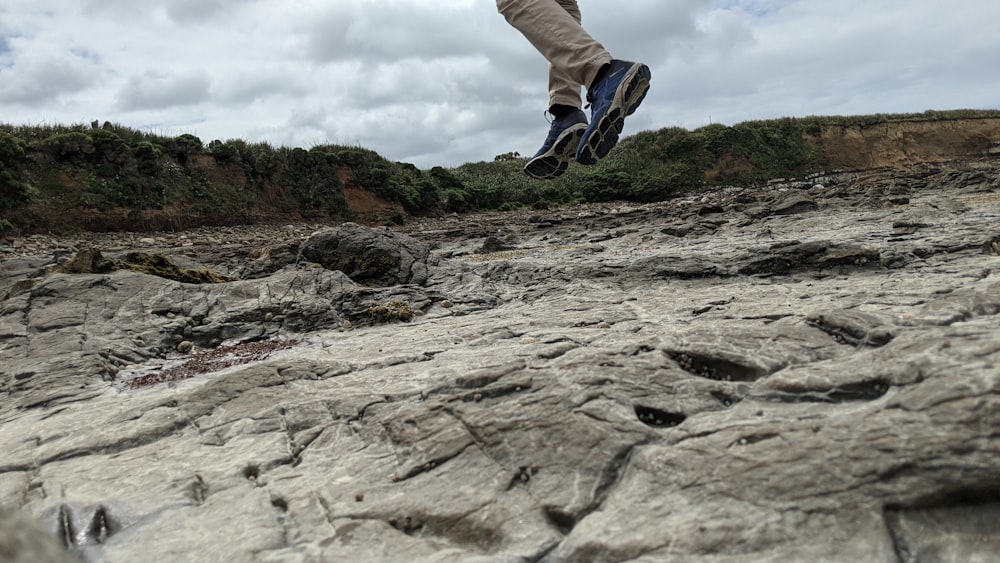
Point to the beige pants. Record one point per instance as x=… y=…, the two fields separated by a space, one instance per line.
x=553 y=27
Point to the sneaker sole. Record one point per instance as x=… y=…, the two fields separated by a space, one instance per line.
x=554 y=162
x=627 y=98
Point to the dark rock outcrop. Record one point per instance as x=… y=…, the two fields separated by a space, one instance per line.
x=370 y=256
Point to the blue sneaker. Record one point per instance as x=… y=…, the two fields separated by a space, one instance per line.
x=559 y=148
x=612 y=99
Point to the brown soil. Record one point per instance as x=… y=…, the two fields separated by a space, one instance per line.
x=367 y=207
x=905 y=143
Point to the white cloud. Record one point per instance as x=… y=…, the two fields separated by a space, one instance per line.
x=203 y=12
x=37 y=80
x=160 y=91
x=444 y=82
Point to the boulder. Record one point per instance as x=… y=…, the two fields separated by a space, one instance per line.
x=370 y=256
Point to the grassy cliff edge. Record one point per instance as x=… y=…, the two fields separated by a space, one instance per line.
x=67 y=178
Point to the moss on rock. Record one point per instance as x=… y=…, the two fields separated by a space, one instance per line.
x=159 y=265
x=391 y=311
x=91 y=261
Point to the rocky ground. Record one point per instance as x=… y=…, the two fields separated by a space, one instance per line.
x=802 y=371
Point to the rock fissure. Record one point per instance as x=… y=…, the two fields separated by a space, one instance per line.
x=431 y=464
x=608 y=478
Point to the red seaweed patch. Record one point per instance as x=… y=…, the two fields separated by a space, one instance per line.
x=209 y=361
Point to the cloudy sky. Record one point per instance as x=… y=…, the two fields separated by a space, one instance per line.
x=442 y=82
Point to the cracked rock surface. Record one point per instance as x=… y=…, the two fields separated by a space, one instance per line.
x=805 y=371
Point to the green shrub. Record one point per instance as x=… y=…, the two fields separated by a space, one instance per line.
x=455 y=200
x=420 y=195
x=147 y=157
x=312 y=181
x=228 y=152
x=224 y=200
x=183 y=147
x=74 y=146
x=427 y=191
x=106 y=141
x=111 y=154
x=605 y=186
x=11 y=151
x=14 y=192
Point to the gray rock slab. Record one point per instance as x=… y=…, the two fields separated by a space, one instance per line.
x=811 y=379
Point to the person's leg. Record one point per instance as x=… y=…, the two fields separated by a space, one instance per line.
x=558 y=36
x=614 y=88
x=563 y=89
x=544 y=23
